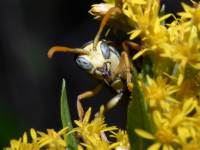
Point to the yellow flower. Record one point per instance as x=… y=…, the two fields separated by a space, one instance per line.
x=52 y=139
x=23 y=144
x=173 y=128
x=95 y=127
x=95 y=142
x=191 y=15
x=184 y=135
x=158 y=93
x=184 y=49
x=122 y=142
x=147 y=24
x=190 y=87
x=180 y=115
x=163 y=138
x=187 y=50
x=144 y=15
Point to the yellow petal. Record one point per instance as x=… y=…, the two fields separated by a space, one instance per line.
x=150 y=81
x=15 y=144
x=155 y=146
x=80 y=147
x=109 y=128
x=44 y=142
x=180 y=78
x=185 y=15
x=144 y=134
x=186 y=7
x=33 y=133
x=78 y=123
x=177 y=119
x=157 y=118
x=167 y=147
x=25 y=138
x=134 y=33
x=61 y=142
x=165 y=17
x=87 y=116
x=139 y=2
x=183 y=134
x=189 y=105
x=140 y=53
x=63 y=131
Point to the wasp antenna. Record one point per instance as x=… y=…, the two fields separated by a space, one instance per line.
x=65 y=49
x=103 y=24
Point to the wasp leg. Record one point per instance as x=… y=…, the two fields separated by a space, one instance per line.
x=65 y=49
x=104 y=22
x=84 y=96
x=128 y=66
x=114 y=101
x=127 y=44
x=124 y=69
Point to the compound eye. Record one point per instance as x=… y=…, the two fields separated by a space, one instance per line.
x=105 y=50
x=84 y=63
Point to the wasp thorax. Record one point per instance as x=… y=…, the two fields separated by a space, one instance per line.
x=101 y=61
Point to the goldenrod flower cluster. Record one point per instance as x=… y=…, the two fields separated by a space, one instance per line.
x=51 y=140
x=92 y=133
x=171 y=88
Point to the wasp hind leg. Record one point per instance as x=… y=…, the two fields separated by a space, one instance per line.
x=84 y=96
x=114 y=101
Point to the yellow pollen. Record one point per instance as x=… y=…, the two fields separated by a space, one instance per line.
x=164 y=136
x=158 y=95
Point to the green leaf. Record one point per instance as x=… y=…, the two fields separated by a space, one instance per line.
x=66 y=118
x=146 y=68
x=138 y=117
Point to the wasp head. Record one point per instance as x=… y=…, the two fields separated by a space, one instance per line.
x=100 y=62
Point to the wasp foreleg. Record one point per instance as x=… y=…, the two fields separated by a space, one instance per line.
x=84 y=96
x=124 y=69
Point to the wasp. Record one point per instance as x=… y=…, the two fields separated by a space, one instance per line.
x=103 y=61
